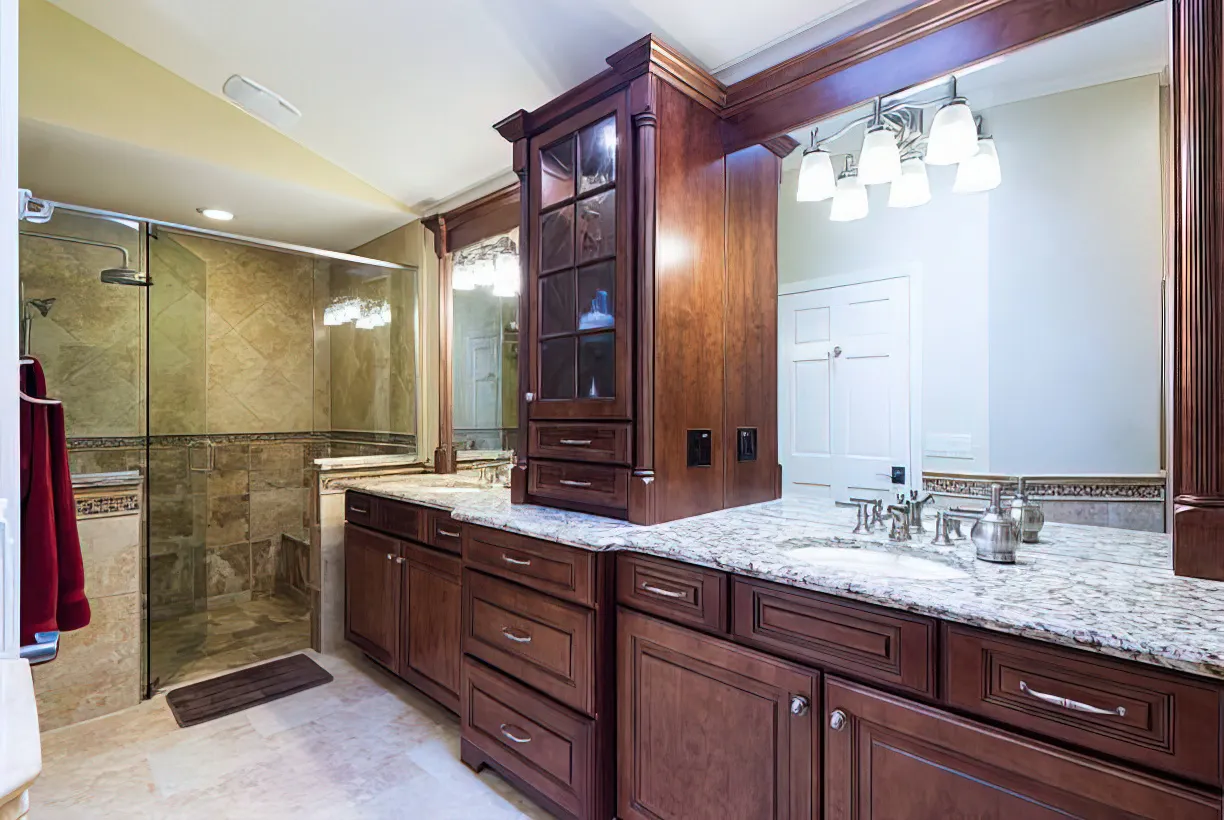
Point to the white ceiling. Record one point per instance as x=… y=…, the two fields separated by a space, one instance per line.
x=1134 y=44
x=403 y=93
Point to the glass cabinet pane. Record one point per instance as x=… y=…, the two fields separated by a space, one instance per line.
x=597 y=226
x=557 y=303
x=557 y=239
x=597 y=152
x=597 y=295
x=557 y=368
x=557 y=172
x=597 y=366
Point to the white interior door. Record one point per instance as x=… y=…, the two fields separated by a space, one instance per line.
x=485 y=389
x=844 y=389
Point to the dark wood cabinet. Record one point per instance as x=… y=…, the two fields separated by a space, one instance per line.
x=633 y=313
x=373 y=589
x=711 y=729
x=432 y=613
x=892 y=759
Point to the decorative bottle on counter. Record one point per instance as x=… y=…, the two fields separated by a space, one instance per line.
x=1027 y=514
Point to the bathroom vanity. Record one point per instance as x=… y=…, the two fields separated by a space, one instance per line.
x=717 y=666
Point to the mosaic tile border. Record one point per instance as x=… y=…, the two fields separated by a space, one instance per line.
x=130 y=442
x=98 y=505
x=1094 y=488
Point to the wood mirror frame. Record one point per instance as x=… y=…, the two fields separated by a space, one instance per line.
x=488 y=216
x=940 y=36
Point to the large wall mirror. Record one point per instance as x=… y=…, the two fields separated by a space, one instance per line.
x=972 y=278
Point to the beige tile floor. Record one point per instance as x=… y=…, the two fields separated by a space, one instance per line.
x=204 y=643
x=364 y=746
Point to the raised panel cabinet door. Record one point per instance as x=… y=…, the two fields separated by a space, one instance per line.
x=891 y=759
x=434 y=605
x=372 y=593
x=709 y=729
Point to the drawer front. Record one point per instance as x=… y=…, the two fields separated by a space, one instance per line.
x=679 y=592
x=400 y=519
x=359 y=508
x=443 y=532
x=580 y=441
x=566 y=572
x=545 y=643
x=549 y=747
x=871 y=642
x=594 y=484
x=1146 y=716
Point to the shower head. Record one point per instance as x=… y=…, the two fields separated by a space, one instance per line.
x=125 y=276
x=43 y=306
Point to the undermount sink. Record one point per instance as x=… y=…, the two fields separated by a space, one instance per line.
x=886 y=564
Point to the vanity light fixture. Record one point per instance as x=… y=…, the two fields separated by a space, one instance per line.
x=850 y=199
x=954 y=135
x=912 y=187
x=817 y=180
x=981 y=172
x=215 y=213
x=880 y=158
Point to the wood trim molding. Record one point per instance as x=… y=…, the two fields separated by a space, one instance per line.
x=1198 y=323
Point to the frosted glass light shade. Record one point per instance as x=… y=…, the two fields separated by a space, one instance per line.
x=954 y=136
x=880 y=159
x=911 y=188
x=981 y=171
x=849 y=201
x=816 y=178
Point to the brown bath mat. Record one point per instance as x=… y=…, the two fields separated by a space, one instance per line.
x=245 y=688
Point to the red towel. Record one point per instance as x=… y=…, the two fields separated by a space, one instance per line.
x=52 y=571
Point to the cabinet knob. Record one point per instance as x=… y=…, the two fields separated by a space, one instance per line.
x=837 y=720
x=399 y=560
x=530 y=397
x=799 y=705
x=390 y=557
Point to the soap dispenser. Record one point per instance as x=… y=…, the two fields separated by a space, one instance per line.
x=1027 y=514
x=996 y=534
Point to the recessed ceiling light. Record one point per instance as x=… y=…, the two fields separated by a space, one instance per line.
x=216 y=213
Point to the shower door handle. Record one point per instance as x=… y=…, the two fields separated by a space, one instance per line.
x=208 y=464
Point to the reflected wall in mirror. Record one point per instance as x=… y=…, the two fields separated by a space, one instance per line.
x=485 y=286
x=972 y=279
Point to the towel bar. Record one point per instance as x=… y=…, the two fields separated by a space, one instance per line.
x=44 y=649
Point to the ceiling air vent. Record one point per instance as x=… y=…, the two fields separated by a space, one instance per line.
x=263 y=102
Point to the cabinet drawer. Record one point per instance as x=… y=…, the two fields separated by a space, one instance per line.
x=545 y=643
x=874 y=643
x=594 y=484
x=398 y=518
x=359 y=508
x=566 y=572
x=1146 y=716
x=549 y=747
x=679 y=592
x=580 y=441
x=443 y=532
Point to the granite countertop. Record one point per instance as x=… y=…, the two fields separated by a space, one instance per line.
x=1106 y=590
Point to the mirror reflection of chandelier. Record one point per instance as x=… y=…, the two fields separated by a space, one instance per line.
x=491 y=263
x=365 y=314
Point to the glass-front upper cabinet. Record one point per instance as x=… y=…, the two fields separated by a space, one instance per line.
x=580 y=267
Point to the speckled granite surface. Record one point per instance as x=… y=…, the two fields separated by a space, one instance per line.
x=1105 y=590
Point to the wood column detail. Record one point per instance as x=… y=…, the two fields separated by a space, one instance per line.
x=645 y=121
x=1198 y=367
x=518 y=473
x=444 y=453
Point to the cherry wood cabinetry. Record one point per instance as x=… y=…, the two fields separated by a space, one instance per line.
x=695 y=596
x=711 y=729
x=632 y=319
x=402 y=601
x=891 y=759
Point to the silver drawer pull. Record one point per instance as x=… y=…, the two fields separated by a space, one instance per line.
x=569 y=483
x=666 y=593
x=449 y=533
x=576 y=442
x=1073 y=705
x=360 y=510
x=515 y=635
x=510 y=735
x=516 y=561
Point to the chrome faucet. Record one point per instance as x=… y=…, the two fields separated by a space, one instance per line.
x=900 y=529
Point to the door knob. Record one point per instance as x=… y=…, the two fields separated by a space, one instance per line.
x=799 y=705
x=837 y=720
x=837 y=351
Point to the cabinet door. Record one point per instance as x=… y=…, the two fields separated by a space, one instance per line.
x=890 y=759
x=433 y=605
x=579 y=263
x=372 y=586
x=710 y=729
